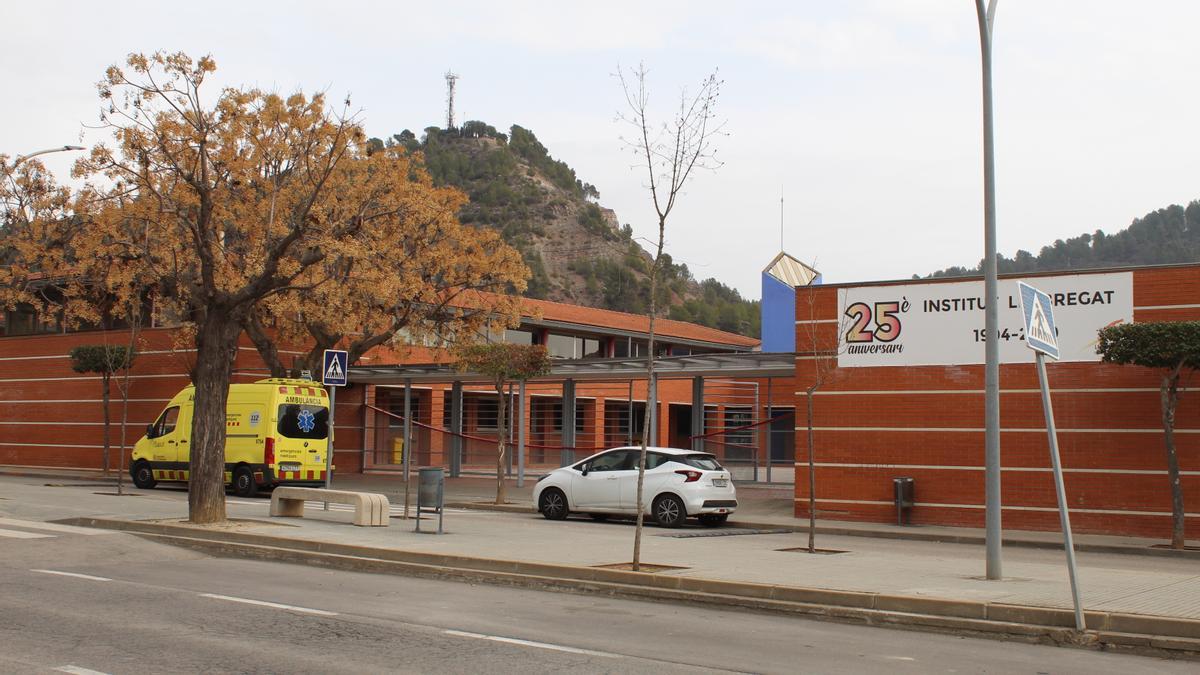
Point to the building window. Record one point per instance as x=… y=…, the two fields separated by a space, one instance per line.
x=738 y=417
x=518 y=337
x=396 y=407
x=560 y=346
x=487 y=412
x=26 y=320
x=573 y=346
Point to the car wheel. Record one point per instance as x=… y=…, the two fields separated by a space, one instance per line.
x=669 y=511
x=243 y=482
x=601 y=517
x=143 y=475
x=714 y=519
x=553 y=504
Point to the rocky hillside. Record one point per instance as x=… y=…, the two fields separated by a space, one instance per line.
x=576 y=249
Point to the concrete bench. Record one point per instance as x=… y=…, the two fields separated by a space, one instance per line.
x=370 y=509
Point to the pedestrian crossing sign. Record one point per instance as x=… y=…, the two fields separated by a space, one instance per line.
x=333 y=369
x=1040 y=332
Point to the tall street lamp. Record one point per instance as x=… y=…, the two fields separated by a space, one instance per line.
x=991 y=370
x=63 y=148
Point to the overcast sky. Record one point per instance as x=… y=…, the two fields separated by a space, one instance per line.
x=864 y=114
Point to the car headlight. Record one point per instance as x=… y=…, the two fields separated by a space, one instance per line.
x=542 y=477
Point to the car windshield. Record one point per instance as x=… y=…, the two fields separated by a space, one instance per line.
x=703 y=462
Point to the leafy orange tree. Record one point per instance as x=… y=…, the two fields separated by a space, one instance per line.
x=39 y=220
x=231 y=207
x=502 y=363
x=414 y=268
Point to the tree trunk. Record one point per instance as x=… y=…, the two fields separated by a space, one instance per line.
x=1170 y=399
x=501 y=444
x=107 y=419
x=651 y=395
x=216 y=348
x=812 y=479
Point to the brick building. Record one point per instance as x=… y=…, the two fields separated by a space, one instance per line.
x=919 y=412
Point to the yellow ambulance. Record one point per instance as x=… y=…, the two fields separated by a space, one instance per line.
x=276 y=432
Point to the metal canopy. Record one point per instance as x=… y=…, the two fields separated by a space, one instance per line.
x=751 y=364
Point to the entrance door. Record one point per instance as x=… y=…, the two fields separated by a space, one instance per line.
x=681 y=426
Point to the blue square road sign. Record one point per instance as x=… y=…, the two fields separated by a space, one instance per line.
x=333 y=368
x=1038 y=311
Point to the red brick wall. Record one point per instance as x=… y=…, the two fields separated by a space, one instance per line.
x=874 y=424
x=52 y=416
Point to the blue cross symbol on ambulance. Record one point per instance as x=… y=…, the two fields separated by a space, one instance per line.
x=306 y=421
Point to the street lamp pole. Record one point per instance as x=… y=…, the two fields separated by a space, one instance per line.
x=991 y=377
x=62 y=148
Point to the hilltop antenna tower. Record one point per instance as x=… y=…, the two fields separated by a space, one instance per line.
x=451 y=78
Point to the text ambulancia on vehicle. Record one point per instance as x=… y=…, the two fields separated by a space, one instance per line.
x=276 y=433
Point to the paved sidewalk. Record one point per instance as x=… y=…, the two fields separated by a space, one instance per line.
x=1154 y=585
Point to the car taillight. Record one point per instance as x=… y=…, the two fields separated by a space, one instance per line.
x=269 y=451
x=689 y=476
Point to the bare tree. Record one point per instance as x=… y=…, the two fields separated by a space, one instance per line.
x=822 y=342
x=669 y=152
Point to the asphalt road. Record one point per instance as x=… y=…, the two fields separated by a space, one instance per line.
x=115 y=603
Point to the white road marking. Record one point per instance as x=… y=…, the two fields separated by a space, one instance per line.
x=79 y=671
x=900 y=658
x=263 y=603
x=53 y=527
x=17 y=534
x=529 y=643
x=73 y=574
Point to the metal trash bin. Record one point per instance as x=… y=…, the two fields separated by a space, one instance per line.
x=431 y=492
x=903 y=491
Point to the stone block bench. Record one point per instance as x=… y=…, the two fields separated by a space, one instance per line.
x=370 y=509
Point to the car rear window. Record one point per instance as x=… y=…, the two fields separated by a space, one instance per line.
x=702 y=462
x=303 y=421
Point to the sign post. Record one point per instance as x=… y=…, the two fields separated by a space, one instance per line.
x=1041 y=336
x=333 y=375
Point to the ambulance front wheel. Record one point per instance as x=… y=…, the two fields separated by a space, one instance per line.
x=243 y=482
x=143 y=475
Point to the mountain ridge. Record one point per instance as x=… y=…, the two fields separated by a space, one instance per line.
x=576 y=249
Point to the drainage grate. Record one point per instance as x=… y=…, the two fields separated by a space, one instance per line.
x=723 y=532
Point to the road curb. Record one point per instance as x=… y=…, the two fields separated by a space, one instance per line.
x=909 y=535
x=1145 y=633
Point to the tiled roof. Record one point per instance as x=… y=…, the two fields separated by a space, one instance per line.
x=607 y=318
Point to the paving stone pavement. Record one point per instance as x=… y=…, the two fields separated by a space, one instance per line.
x=1141 y=584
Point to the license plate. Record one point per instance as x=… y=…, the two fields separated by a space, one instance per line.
x=720 y=482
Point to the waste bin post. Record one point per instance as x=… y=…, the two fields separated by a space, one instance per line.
x=431 y=493
x=903 y=489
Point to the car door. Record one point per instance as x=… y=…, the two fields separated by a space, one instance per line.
x=654 y=479
x=598 y=487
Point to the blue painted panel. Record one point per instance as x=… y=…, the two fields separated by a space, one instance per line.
x=778 y=315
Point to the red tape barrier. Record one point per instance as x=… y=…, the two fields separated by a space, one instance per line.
x=708 y=435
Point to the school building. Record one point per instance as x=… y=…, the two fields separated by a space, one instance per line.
x=899 y=393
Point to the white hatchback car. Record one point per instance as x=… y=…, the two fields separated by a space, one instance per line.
x=678 y=484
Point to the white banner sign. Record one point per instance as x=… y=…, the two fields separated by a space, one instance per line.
x=943 y=323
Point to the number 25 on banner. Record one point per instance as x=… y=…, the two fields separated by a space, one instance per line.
x=887 y=321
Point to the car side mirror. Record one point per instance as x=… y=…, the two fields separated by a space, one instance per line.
x=584 y=469
x=149 y=429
